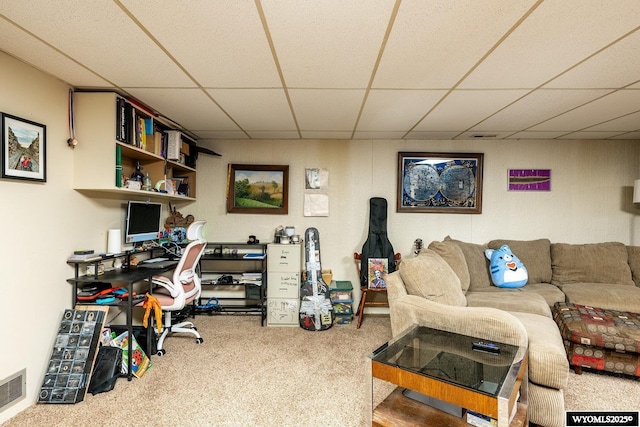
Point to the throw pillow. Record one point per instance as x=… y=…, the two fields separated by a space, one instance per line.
x=507 y=271
x=479 y=277
x=535 y=254
x=453 y=255
x=429 y=276
x=605 y=262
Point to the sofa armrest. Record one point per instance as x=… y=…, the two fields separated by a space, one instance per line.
x=482 y=322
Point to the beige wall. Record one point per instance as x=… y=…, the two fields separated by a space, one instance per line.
x=590 y=199
x=44 y=223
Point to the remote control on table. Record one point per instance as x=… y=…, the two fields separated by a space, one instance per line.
x=488 y=347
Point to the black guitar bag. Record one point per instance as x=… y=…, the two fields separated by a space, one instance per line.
x=377 y=244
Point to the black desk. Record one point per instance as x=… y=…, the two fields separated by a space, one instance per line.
x=129 y=276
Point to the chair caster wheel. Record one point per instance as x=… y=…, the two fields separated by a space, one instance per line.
x=161 y=352
x=199 y=340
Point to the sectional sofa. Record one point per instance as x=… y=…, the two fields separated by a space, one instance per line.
x=448 y=286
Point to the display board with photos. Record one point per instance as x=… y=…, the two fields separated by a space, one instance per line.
x=73 y=355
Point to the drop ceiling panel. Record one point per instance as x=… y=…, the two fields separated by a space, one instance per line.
x=589 y=135
x=396 y=109
x=536 y=135
x=557 y=35
x=433 y=44
x=256 y=109
x=536 y=107
x=431 y=135
x=326 y=110
x=221 y=43
x=604 y=109
x=269 y=134
x=35 y=52
x=313 y=134
x=628 y=123
x=220 y=134
x=80 y=29
x=327 y=44
x=630 y=135
x=462 y=109
x=189 y=107
x=378 y=135
x=614 y=67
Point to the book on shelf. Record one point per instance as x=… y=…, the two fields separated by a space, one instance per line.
x=174 y=143
x=254 y=256
x=124 y=118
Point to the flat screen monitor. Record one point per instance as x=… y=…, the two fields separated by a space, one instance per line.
x=143 y=221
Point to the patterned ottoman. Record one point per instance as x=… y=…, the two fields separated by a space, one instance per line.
x=597 y=338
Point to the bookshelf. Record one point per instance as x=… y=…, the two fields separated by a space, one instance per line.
x=112 y=130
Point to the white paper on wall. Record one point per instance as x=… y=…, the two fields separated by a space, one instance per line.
x=316 y=204
x=316 y=192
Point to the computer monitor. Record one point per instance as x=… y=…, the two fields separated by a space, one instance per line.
x=143 y=221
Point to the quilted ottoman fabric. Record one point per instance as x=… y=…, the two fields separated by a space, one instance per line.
x=600 y=338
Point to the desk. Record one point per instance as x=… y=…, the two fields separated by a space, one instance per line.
x=443 y=365
x=129 y=276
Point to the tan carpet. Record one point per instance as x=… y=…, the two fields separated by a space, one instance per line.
x=244 y=375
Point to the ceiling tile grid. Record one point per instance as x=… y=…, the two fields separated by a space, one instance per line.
x=362 y=69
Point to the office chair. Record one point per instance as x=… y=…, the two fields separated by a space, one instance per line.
x=175 y=293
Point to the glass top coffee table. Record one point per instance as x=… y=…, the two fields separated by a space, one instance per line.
x=442 y=375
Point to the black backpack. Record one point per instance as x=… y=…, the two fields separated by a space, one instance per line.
x=377 y=244
x=106 y=369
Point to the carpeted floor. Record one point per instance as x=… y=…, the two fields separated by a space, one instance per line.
x=244 y=375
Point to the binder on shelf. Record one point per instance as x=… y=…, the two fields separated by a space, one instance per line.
x=174 y=143
x=124 y=118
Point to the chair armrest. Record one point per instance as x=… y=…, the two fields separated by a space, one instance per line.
x=482 y=322
x=166 y=283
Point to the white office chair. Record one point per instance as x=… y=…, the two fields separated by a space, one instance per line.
x=182 y=289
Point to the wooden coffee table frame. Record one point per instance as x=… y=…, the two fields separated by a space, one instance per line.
x=397 y=410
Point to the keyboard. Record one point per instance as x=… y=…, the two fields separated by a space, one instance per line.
x=154 y=260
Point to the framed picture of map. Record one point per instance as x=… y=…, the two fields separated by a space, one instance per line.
x=24 y=147
x=440 y=182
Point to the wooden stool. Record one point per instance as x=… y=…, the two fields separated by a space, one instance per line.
x=379 y=295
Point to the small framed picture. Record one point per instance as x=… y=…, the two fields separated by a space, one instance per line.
x=377 y=273
x=24 y=148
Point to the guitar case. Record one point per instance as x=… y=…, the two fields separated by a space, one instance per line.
x=377 y=244
x=316 y=310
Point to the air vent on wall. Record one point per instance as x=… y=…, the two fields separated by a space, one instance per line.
x=13 y=389
x=483 y=135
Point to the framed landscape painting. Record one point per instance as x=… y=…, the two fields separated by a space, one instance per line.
x=258 y=189
x=24 y=148
x=440 y=182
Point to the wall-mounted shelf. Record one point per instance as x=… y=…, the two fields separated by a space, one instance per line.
x=103 y=140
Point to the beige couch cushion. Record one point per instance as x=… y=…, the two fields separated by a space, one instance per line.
x=477 y=263
x=534 y=254
x=429 y=276
x=510 y=300
x=452 y=254
x=634 y=263
x=548 y=364
x=613 y=297
x=591 y=263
